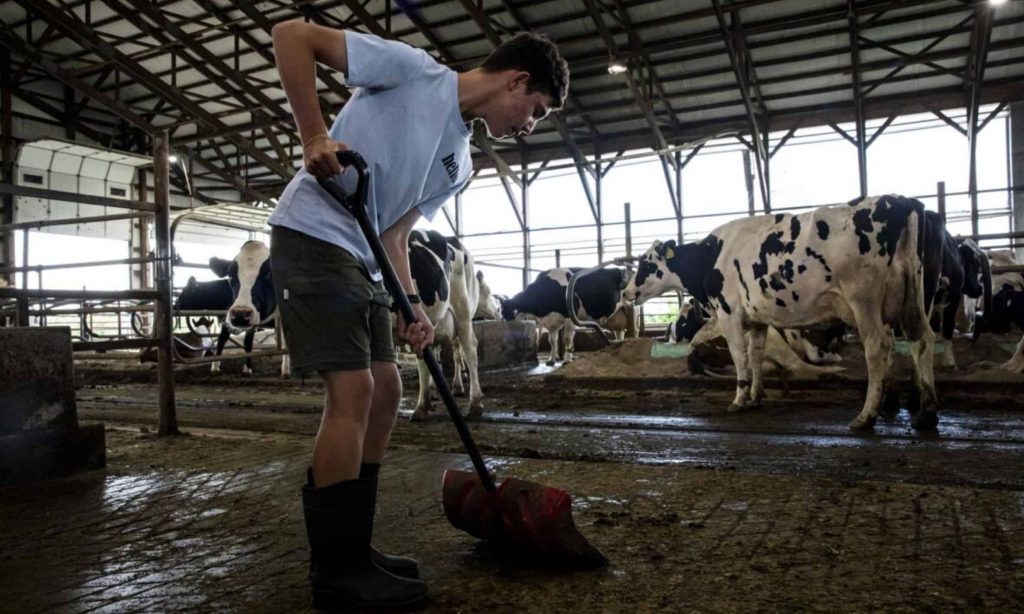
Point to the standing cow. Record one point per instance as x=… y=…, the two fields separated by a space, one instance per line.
x=447 y=284
x=252 y=291
x=487 y=307
x=965 y=273
x=598 y=298
x=864 y=265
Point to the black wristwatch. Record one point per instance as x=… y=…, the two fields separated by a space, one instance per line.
x=414 y=299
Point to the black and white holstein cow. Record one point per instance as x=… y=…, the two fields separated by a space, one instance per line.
x=862 y=265
x=598 y=298
x=447 y=284
x=1007 y=305
x=252 y=292
x=965 y=273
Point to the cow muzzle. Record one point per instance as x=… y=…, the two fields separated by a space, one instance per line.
x=243 y=317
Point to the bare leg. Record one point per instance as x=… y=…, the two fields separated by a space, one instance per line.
x=387 y=394
x=338 y=449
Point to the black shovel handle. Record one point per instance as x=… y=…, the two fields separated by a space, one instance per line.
x=356 y=205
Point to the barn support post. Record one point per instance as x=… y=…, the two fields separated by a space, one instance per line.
x=599 y=218
x=858 y=104
x=162 y=324
x=940 y=191
x=7 y=256
x=748 y=180
x=24 y=258
x=526 y=225
x=558 y=258
x=629 y=229
x=679 y=198
x=1016 y=151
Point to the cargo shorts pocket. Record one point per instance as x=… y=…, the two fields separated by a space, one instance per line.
x=327 y=320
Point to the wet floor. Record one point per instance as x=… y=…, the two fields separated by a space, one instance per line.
x=698 y=510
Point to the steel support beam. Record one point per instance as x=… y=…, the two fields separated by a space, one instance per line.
x=75 y=29
x=758 y=144
x=164 y=328
x=858 y=104
x=980 y=36
x=7 y=255
x=1016 y=151
x=660 y=143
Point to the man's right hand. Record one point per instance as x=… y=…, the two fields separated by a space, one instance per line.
x=319 y=156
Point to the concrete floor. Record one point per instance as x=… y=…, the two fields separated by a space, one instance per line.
x=781 y=510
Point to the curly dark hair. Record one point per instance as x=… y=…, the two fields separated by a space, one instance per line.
x=534 y=53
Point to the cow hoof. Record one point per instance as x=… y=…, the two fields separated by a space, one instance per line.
x=925 y=421
x=890 y=405
x=475 y=413
x=422 y=414
x=550 y=363
x=246 y=371
x=734 y=408
x=862 y=424
x=914 y=402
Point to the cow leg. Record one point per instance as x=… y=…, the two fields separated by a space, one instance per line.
x=923 y=406
x=569 y=332
x=948 y=322
x=757 y=335
x=222 y=339
x=466 y=341
x=423 y=406
x=1016 y=362
x=458 y=387
x=878 y=351
x=286 y=361
x=250 y=334
x=553 y=334
x=732 y=329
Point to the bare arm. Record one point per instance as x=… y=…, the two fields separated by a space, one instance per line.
x=396 y=244
x=298 y=47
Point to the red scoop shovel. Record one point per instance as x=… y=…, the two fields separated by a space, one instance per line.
x=517 y=514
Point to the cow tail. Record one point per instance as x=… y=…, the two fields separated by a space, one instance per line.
x=915 y=314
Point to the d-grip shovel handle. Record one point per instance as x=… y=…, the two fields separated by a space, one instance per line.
x=356 y=205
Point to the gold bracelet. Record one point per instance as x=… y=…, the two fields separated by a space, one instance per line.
x=311 y=139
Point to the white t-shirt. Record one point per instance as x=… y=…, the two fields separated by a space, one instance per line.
x=404 y=119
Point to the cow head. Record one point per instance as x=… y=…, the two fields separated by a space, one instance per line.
x=251 y=284
x=977 y=274
x=653 y=276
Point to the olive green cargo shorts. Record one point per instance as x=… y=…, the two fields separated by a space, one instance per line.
x=334 y=317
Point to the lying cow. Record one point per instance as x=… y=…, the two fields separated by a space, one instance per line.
x=598 y=297
x=864 y=265
x=446 y=282
x=193 y=344
x=798 y=353
x=691 y=318
x=252 y=292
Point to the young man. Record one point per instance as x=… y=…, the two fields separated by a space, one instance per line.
x=409 y=118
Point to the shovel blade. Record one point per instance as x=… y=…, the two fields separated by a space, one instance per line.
x=519 y=514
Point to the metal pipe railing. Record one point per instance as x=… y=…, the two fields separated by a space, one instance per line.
x=73 y=197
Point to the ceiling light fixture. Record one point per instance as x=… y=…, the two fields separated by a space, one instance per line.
x=616 y=68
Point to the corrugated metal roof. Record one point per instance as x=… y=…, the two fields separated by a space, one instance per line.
x=231 y=116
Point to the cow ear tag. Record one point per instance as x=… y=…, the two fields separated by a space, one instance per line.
x=670 y=254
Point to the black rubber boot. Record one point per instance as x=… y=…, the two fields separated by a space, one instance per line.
x=339 y=525
x=398 y=565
